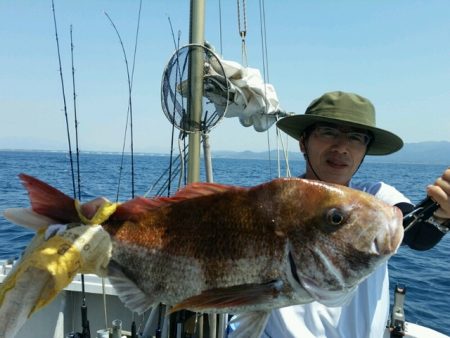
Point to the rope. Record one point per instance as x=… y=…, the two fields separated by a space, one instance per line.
x=262 y=16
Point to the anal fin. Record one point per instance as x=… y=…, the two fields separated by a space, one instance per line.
x=248 y=325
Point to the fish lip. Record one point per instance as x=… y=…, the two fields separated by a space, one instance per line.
x=387 y=241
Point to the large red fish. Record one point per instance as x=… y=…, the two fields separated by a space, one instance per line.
x=217 y=248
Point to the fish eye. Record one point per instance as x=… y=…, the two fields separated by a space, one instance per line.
x=335 y=217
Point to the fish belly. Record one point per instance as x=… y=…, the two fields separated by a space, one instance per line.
x=171 y=279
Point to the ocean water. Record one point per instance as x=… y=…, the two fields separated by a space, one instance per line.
x=425 y=274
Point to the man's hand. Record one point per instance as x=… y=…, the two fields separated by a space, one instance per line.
x=440 y=192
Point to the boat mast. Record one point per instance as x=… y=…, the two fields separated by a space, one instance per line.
x=194 y=101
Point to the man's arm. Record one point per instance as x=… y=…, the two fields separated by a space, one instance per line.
x=426 y=233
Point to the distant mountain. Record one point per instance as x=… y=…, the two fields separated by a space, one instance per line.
x=422 y=152
x=417 y=153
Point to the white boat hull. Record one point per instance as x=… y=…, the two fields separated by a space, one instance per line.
x=417 y=331
x=63 y=315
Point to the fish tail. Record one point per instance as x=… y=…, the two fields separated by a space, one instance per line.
x=48 y=201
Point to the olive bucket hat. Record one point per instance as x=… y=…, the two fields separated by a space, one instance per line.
x=343 y=108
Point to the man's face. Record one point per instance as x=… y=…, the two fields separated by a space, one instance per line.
x=334 y=152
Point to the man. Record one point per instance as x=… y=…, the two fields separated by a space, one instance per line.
x=335 y=134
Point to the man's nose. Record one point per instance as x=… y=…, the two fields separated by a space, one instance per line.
x=341 y=143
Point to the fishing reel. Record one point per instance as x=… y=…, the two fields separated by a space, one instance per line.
x=423 y=213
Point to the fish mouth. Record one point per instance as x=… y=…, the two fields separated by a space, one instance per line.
x=388 y=239
x=293 y=268
x=329 y=297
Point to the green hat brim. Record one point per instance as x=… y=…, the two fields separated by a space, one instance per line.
x=383 y=143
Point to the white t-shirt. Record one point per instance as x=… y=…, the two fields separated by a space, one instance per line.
x=364 y=316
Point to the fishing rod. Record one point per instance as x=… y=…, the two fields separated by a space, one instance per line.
x=130 y=86
x=84 y=321
x=85 y=333
x=178 y=76
x=422 y=213
x=130 y=115
x=130 y=106
x=64 y=98
x=75 y=116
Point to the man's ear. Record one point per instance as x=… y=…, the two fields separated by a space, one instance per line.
x=301 y=142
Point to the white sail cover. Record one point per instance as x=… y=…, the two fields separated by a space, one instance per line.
x=253 y=101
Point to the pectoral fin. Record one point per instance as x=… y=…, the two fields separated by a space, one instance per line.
x=235 y=296
x=129 y=293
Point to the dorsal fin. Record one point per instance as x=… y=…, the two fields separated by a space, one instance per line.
x=48 y=201
x=140 y=204
x=203 y=189
x=136 y=206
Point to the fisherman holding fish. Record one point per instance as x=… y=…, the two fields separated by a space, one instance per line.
x=321 y=240
x=335 y=134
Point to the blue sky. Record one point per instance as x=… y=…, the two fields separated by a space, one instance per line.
x=396 y=53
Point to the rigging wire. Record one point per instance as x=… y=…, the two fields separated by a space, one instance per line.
x=242 y=29
x=64 y=99
x=262 y=16
x=175 y=172
x=285 y=152
x=265 y=59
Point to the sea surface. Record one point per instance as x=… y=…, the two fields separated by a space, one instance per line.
x=425 y=274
